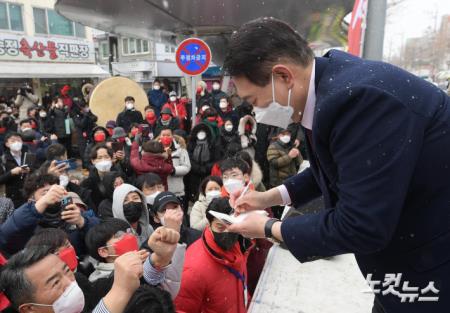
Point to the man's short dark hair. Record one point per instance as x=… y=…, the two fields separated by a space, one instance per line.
x=24 y=121
x=129 y=98
x=150 y=299
x=236 y=162
x=98 y=235
x=55 y=151
x=13 y=280
x=206 y=180
x=148 y=180
x=12 y=134
x=54 y=238
x=98 y=147
x=221 y=205
x=244 y=155
x=36 y=181
x=260 y=44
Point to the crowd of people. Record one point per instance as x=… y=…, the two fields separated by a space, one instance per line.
x=116 y=217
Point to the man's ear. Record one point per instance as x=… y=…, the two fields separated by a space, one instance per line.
x=156 y=219
x=285 y=73
x=246 y=178
x=103 y=252
x=27 y=308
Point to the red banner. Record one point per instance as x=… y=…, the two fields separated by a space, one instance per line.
x=355 y=29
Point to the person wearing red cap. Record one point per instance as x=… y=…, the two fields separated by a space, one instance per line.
x=67 y=100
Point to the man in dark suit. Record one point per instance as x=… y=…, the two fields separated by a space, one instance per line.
x=379 y=145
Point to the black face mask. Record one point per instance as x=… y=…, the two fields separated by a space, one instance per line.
x=132 y=211
x=225 y=240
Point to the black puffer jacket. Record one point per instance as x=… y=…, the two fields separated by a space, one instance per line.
x=105 y=207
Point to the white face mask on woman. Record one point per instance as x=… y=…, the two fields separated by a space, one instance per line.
x=275 y=114
x=201 y=135
x=103 y=166
x=285 y=139
x=211 y=195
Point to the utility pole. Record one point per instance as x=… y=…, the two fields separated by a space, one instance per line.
x=374 y=34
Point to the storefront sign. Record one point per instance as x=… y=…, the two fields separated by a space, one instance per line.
x=45 y=49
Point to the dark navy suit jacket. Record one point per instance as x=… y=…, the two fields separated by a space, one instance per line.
x=380 y=156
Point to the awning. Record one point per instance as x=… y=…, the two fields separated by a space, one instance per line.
x=50 y=70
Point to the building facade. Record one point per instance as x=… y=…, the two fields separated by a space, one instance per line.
x=140 y=59
x=44 y=49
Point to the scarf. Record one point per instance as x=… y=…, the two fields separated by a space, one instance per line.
x=201 y=152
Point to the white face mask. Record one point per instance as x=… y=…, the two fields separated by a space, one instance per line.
x=204 y=108
x=285 y=139
x=63 y=180
x=103 y=166
x=223 y=104
x=233 y=185
x=71 y=300
x=173 y=99
x=275 y=114
x=129 y=105
x=201 y=135
x=43 y=114
x=216 y=86
x=151 y=198
x=16 y=146
x=213 y=194
x=156 y=87
x=228 y=127
x=26 y=129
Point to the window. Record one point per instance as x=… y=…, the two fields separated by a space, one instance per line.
x=40 y=21
x=125 y=46
x=59 y=25
x=172 y=49
x=167 y=48
x=47 y=21
x=132 y=46
x=104 y=50
x=11 y=16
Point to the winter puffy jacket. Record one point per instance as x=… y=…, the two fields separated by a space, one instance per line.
x=282 y=166
x=150 y=163
x=22 y=224
x=182 y=165
x=198 y=218
x=210 y=281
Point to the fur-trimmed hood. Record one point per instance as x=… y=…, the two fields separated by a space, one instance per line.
x=256 y=174
x=243 y=121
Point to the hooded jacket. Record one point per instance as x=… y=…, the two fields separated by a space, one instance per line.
x=181 y=163
x=198 y=218
x=144 y=229
x=208 y=284
x=248 y=139
x=150 y=163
